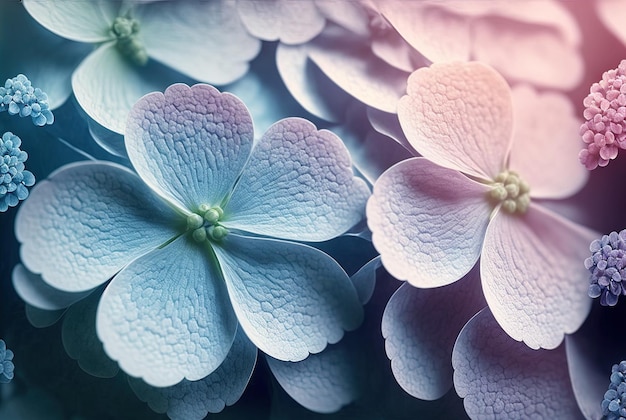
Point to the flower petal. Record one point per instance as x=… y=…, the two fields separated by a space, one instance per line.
x=87 y=221
x=459 y=115
x=364 y=280
x=189 y=400
x=501 y=378
x=41 y=318
x=287 y=21
x=36 y=292
x=533 y=277
x=543 y=152
x=290 y=299
x=610 y=13
x=298 y=184
x=189 y=144
x=589 y=382
x=84 y=21
x=420 y=327
x=166 y=315
x=204 y=40
x=427 y=232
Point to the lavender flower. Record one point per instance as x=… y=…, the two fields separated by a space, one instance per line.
x=607 y=268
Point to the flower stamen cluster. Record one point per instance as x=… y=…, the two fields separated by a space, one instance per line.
x=19 y=97
x=511 y=191
x=6 y=363
x=13 y=177
x=607 y=266
x=614 y=402
x=126 y=31
x=205 y=224
x=604 y=131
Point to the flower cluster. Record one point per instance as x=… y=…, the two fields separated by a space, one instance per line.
x=614 y=402
x=6 y=363
x=13 y=177
x=19 y=97
x=607 y=266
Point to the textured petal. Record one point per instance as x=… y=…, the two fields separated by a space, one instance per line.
x=611 y=14
x=87 y=221
x=420 y=327
x=290 y=299
x=194 y=400
x=501 y=378
x=189 y=144
x=459 y=115
x=347 y=14
x=36 y=292
x=287 y=21
x=204 y=40
x=84 y=21
x=533 y=277
x=427 y=232
x=298 y=184
x=543 y=150
x=322 y=382
x=81 y=342
x=166 y=316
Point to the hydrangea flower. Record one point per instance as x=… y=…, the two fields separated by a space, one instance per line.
x=135 y=41
x=604 y=131
x=200 y=242
x=607 y=267
x=14 y=178
x=614 y=402
x=459 y=116
x=6 y=363
x=19 y=97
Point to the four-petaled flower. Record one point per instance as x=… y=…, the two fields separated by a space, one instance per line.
x=200 y=243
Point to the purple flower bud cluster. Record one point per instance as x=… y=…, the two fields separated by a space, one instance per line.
x=607 y=267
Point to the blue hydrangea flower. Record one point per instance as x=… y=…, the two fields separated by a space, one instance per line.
x=607 y=266
x=19 y=97
x=614 y=402
x=6 y=363
x=200 y=242
x=13 y=177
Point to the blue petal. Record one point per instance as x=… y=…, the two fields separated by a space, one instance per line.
x=298 y=184
x=364 y=280
x=190 y=144
x=41 y=318
x=166 y=316
x=87 y=221
x=194 y=400
x=290 y=299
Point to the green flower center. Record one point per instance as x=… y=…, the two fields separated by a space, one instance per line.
x=126 y=31
x=205 y=224
x=509 y=190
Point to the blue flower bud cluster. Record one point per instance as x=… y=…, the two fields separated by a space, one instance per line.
x=18 y=97
x=607 y=266
x=6 y=363
x=13 y=177
x=614 y=402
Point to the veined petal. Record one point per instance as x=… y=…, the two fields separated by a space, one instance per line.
x=428 y=232
x=190 y=144
x=543 y=152
x=193 y=400
x=501 y=378
x=298 y=184
x=84 y=21
x=290 y=299
x=204 y=40
x=87 y=221
x=166 y=316
x=459 y=115
x=420 y=327
x=533 y=277
x=36 y=292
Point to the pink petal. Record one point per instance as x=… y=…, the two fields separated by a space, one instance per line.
x=500 y=378
x=459 y=115
x=546 y=143
x=428 y=232
x=533 y=275
x=611 y=13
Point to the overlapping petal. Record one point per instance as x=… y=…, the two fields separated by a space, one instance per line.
x=87 y=221
x=501 y=378
x=587 y=381
x=428 y=232
x=532 y=275
x=193 y=400
x=298 y=184
x=291 y=299
x=166 y=316
x=189 y=144
x=420 y=327
x=610 y=13
x=459 y=115
x=204 y=40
